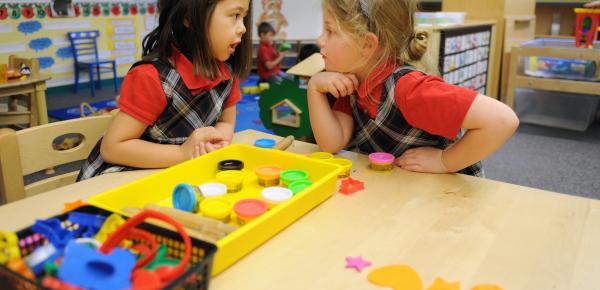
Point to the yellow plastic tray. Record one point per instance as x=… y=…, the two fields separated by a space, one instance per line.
x=157 y=189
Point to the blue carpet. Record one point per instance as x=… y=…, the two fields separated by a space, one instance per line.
x=73 y=112
x=248 y=113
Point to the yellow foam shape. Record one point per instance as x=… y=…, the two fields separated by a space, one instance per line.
x=441 y=284
x=399 y=277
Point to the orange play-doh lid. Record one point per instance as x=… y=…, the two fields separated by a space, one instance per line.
x=268 y=172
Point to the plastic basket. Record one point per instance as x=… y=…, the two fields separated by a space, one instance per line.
x=197 y=276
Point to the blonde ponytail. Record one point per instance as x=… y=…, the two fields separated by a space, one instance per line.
x=417 y=46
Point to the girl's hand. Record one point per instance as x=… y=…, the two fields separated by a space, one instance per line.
x=207 y=147
x=422 y=159
x=196 y=143
x=337 y=84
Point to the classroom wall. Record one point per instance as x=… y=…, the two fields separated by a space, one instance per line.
x=303 y=18
x=28 y=29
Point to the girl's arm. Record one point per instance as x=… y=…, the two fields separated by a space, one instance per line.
x=226 y=123
x=489 y=124
x=332 y=129
x=122 y=145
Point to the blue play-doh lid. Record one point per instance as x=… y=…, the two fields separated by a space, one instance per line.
x=264 y=143
x=184 y=198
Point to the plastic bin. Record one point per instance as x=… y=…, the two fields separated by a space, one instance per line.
x=554 y=67
x=158 y=188
x=556 y=109
x=197 y=276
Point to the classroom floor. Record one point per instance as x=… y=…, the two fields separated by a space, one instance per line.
x=541 y=157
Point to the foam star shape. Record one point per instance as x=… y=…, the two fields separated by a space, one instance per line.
x=357 y=263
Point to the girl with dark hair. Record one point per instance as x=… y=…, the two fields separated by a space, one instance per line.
x=179 y=102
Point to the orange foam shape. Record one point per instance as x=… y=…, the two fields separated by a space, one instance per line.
x=399 y=277
x=441 y=284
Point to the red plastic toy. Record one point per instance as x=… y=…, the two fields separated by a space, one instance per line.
x=350 y=186
x=586 y=27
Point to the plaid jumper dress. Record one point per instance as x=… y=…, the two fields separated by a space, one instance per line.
x=390 y=132
x=183 y=114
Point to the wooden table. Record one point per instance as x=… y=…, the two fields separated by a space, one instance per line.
x=35 y=85
x=457 y=227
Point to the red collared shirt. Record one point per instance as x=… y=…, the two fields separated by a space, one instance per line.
x=143 y=97
x=425 y=101
x=266 y=52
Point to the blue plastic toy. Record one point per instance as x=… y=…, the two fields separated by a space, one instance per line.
x=54 y=232
x=88 y=268
x=88 y=223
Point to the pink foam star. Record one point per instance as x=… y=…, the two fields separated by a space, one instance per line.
x=357 y=263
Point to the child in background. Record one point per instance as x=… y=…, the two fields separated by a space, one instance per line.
x=268 y=59
x=179 y=102
x=384 y=104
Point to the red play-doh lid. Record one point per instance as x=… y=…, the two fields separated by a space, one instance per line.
x=250 y=208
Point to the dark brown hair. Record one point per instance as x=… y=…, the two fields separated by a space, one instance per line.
x=193 y=41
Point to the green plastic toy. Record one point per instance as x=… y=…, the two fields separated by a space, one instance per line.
x=284 y=46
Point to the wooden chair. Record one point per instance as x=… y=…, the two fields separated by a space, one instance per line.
x=30 y=150
x=29 y=115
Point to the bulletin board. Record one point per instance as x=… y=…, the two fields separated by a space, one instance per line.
x=464 y=57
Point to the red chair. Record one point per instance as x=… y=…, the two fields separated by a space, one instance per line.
x=85 y=54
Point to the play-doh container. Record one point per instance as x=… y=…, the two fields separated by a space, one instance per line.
x=345 y=163
x=275 y=195
x=217 y=208
x=232 y=179
x=320 y=155
x=248 y=209
x=231 y=164
x=267 y=175
x=299 y=185
x=381 y=161
x=186 y=197
x=213 y=189
x=291 y=175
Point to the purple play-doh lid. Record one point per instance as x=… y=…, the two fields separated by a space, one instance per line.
x=381 y=158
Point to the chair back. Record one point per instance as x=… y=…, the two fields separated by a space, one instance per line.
x=84 y=45
x=34 y=149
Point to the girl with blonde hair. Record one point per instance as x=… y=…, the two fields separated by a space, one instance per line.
x=385 y=104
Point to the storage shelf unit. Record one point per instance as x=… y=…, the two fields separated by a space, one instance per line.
x=556 y=49
x=462 y=54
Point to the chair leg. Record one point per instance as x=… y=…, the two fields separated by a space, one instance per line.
x=33 y=111
x=99 y=77
x=114 y=67
x=92 y=82
x=76 y=78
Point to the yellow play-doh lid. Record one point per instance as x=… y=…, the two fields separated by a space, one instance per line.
x=230 y=177
x=216 y=207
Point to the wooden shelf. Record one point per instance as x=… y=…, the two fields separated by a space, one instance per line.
x=518 y=79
